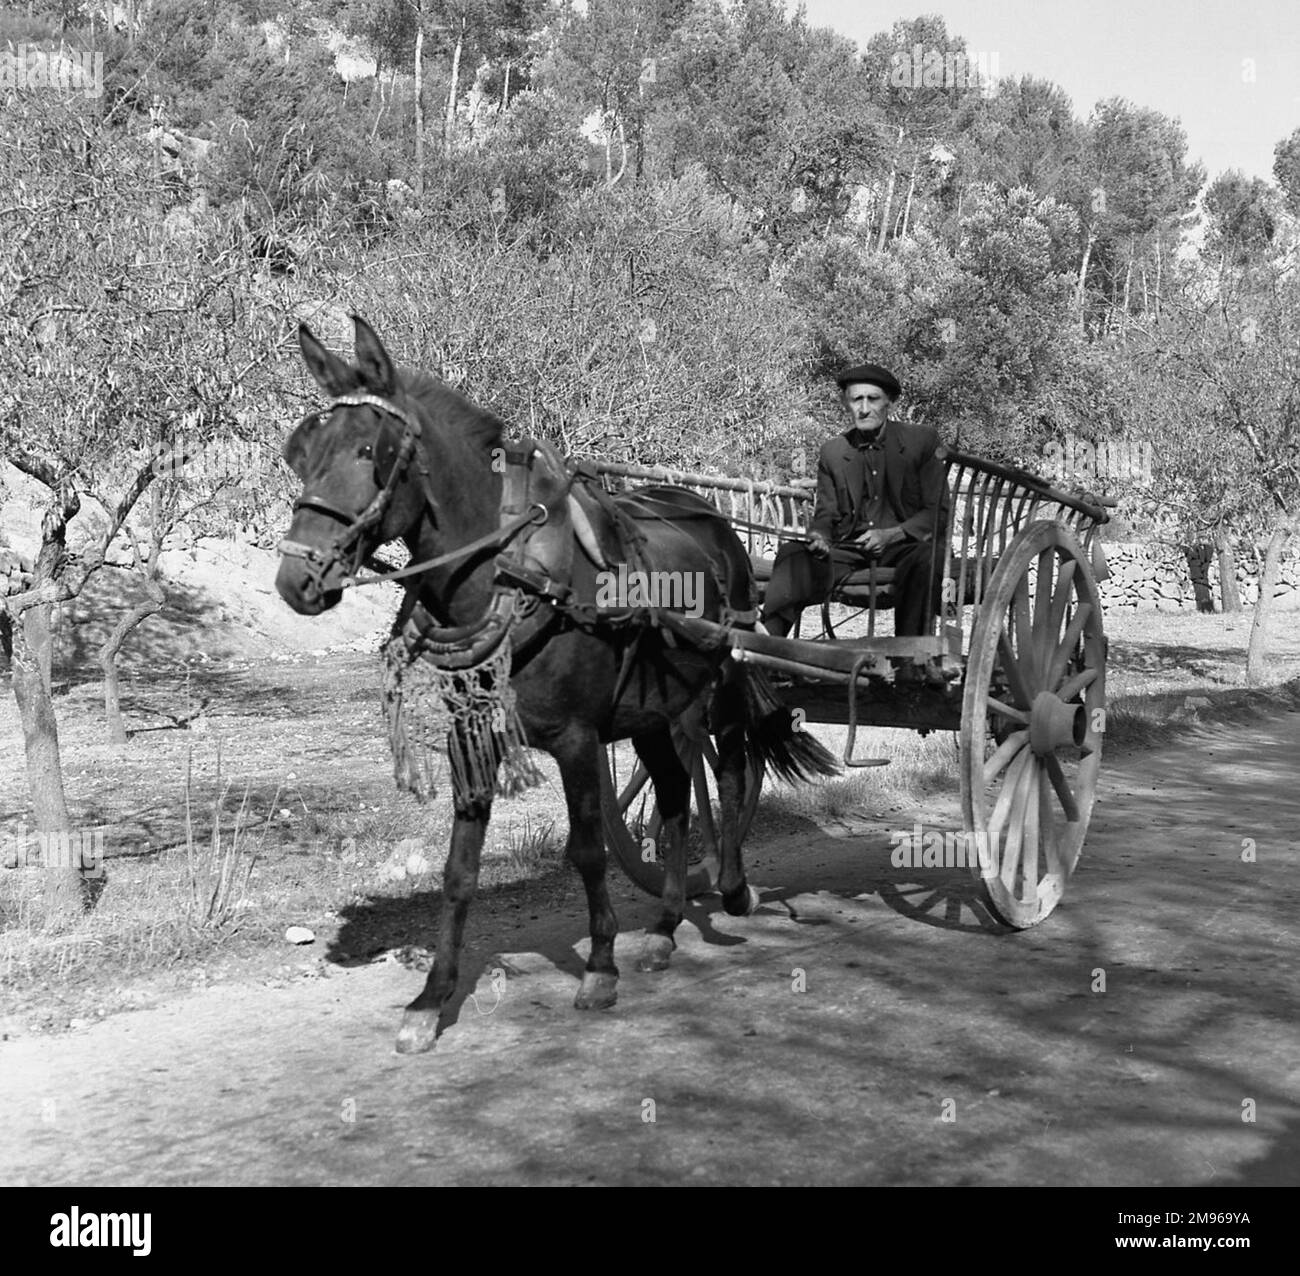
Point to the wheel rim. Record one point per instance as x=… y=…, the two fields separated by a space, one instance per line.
x=631 y=816
x=1032 y=723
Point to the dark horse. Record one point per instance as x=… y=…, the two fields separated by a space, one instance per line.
x=400 y=456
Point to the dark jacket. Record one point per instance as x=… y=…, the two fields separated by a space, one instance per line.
x=915 y=486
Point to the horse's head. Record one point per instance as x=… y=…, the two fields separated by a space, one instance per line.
x=353 y=460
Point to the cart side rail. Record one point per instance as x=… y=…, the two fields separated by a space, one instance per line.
x=990 y=505
x=763 y=513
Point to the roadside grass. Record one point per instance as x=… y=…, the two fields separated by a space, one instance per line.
x=918 y=767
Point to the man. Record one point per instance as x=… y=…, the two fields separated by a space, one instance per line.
x=879 y=490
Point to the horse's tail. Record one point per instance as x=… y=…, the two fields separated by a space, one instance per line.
x=773 y=736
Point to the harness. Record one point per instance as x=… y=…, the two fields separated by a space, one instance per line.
x=534 y=542
x=543 y=516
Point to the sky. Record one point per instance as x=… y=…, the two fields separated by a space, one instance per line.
x=1189 y=59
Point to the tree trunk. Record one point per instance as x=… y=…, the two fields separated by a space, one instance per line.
x=505 y=89
x=419 y=110
x=1198 y=572
x=1256 y=654
x=889 y=194
x=1083 y=275
x=622 y=168
x=1228 y=590
x=1159 y=262
x=112 y=647
x=450 y=118
x=65 y=895
x=41 y=640
x=911 y=190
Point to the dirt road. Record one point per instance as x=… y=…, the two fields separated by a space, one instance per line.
x=866 y=1026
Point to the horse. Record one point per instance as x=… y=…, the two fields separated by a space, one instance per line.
x=513 y=557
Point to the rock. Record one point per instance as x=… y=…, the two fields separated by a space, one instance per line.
x=300 y=935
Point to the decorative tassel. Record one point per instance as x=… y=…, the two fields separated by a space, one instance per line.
x=467 y=716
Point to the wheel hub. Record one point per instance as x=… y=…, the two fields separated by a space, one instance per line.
x=1053 y=723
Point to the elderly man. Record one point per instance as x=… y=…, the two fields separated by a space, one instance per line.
x=879 y=490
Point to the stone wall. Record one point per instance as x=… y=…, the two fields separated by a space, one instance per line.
x=1152 y=576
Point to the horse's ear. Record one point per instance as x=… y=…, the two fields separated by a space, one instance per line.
x=372 y=359
x=331 y=373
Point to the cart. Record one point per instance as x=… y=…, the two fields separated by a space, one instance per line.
x=1015 y=666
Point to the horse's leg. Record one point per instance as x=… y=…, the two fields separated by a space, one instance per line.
x=578 y=755
x=672 y=784
x=727 y=717
x=459 y=882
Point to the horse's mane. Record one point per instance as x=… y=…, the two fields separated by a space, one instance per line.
x=449 y=407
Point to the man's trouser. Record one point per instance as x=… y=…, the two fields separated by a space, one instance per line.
x=800 y=579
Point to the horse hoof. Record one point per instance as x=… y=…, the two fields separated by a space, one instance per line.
x=419 y=1031
x=656 y=953
x=743 y=903
x=599 y=991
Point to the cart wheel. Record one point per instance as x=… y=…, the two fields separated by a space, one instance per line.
x=632 y=822
x=1033 y=715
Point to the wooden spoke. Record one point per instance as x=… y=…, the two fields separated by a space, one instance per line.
x=1063 y=795
x=1004 y=753
x=1021 y=619
x=1061 y=598
x=1012 y=671
x=704 y=810
x=1076 y=683
x=640 y=778
x=626 y=823
x=1007 y=796
x=1053 y=844
x=1056 y=670
x=1043 y=600
x=1029 y=844
x=1023 y=795
x=1006 y=710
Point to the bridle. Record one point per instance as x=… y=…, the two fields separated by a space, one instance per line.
x=320 y=563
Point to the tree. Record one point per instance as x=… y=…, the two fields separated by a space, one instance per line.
x=1225 y=362
x=1243 y=218
x=1286 y=170
x=920 y=74
x=1135 y=188
x=96 y=293
x=976 y=337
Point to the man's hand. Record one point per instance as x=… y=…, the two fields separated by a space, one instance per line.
x=879 y=539
x=818 y=545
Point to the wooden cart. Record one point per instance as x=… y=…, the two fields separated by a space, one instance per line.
x=1016 y=666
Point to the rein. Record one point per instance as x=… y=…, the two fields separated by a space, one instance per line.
x=319 y=562
x=467 y=645
x=537 y=514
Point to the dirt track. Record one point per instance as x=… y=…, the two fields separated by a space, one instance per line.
x=915 y=1008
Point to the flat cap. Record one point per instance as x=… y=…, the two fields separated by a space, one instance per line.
x=870 y=374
